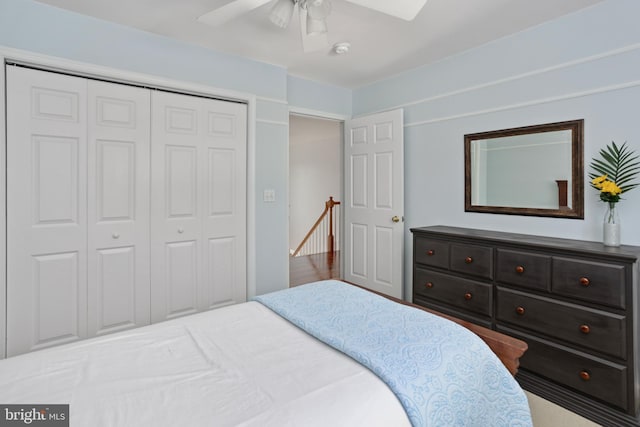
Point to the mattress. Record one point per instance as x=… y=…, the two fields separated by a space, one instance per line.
x=241 y=365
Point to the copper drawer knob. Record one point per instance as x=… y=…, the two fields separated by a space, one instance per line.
x=584 y=281
x=431 y=252
x=520 y=310
x=468 y=260
x=468 y=296
x=585 y=329
x=428 y=285
x=519 y=269
x=585 y=375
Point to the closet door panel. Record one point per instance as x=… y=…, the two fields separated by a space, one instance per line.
x=115 y=186
x=46 y=209
x=113 y=290
x=181 y=265
x=54 y=184
x=198 y=204
x=181 y=191
x=224 y=211
x=118 y=213
x=222 y=271
x=55 y=292
x=175 y=199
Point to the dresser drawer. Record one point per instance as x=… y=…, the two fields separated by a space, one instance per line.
x=431 y=252
x=521 y=268
x=472 y=259
x=597 y=282
x=596 y=377
x=462 y=293
x=593 y=329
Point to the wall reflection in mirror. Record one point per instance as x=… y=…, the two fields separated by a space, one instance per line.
x=533 y=170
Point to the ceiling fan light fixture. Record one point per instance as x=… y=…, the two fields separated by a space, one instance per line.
x=281 y=13
x=318 y=9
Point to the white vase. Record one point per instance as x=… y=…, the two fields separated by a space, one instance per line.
x=611 y=226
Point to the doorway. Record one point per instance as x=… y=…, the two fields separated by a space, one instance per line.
x=315 y=178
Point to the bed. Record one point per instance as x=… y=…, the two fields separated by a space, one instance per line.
x=322 y=354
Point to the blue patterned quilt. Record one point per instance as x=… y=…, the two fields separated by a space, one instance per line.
x=442 y=374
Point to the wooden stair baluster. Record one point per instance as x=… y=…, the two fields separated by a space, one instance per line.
x=328 y=210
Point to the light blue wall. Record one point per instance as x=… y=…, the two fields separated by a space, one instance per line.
x=319 y=97
x=39 y=28
x=584 y=65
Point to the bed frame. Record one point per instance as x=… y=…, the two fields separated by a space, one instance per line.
x=508 y=349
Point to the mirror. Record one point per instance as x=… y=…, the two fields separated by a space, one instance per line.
x=533 y=170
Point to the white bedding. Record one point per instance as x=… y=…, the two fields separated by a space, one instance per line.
x=241 y=365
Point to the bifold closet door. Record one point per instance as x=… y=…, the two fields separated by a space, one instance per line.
x=46 y=209
x=118 y=198
x=198 y=208
x=77 y=208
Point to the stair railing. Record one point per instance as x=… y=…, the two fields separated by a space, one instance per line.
x=324 y=234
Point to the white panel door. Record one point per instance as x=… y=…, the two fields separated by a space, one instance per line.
x=224 y=173
x=46 y=209
x=118 y=210
x=198 y=219
x=374 y=208
x=175 y=220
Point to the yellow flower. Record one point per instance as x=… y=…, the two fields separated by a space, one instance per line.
x=599 y=180
x=610 y=187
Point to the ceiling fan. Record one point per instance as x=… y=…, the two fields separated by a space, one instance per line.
x=312 y=14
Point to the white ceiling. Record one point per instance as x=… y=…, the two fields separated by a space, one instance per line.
x=381 y=45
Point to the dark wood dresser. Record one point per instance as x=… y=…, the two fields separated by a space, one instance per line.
x=575 y=303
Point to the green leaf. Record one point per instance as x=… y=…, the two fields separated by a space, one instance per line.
x=619 y=164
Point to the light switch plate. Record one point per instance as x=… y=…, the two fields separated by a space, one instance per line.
x=269 y=196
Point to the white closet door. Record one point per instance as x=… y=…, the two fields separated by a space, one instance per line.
x=175 y=220
x=224 y=208
x=198 y=219
x=46 y=209
x=118 y=212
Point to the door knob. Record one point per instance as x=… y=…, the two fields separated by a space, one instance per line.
x=180 y=230
x=116 y=235
x=395 y=219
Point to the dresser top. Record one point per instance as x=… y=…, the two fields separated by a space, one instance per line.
x=625 y=251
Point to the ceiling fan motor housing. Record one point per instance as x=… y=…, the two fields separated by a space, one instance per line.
x=317 y=9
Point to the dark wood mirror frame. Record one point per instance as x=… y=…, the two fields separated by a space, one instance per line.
x=576 y=208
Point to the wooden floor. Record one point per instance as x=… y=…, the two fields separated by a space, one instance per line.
x=311 y=268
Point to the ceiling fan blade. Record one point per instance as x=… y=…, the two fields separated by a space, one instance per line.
x=230 y=11
x=403 y=9
x=311 y=42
